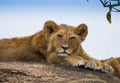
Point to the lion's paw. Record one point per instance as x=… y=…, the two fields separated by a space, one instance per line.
x=81 y=63
x=95 y=66
x=107 y=68
x=91 y=65
x=87 y=64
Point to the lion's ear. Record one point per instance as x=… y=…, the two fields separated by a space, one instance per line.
x=50 y=26
x=82 y=31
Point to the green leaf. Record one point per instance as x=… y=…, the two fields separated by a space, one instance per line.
x=108 y=16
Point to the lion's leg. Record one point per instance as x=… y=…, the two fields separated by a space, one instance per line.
x=75 y=60
x=115 y=63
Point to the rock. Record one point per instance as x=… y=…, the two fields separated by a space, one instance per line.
x=33 y=72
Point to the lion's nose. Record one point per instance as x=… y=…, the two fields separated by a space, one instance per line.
x=65 y=47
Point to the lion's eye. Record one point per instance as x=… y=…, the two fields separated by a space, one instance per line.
x=72 y=38
x=59 y=36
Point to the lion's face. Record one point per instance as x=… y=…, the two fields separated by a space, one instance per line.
x=66 y=39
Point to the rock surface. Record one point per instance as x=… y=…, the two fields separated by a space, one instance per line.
x=22 y=72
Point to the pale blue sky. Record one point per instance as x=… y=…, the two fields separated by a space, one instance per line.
x=26 y=17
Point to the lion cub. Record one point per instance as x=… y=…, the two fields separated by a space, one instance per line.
x=64 y=47
x=54 y=44
x=29 y=48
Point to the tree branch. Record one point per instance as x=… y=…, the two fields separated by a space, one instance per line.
x=108 y=5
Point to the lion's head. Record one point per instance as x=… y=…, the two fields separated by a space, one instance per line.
x=64 y=39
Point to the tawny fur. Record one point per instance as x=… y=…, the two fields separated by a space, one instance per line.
x=115 y=63
x=71 y=38
x=30 y=48
x=47 y=46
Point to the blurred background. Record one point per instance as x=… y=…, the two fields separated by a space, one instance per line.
x=26 y=17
